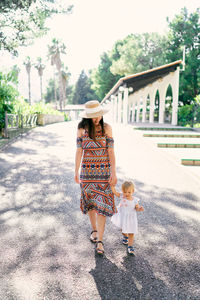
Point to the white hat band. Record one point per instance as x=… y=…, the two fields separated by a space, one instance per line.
x=93 y=110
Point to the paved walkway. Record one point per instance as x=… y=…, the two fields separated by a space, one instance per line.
x=45 y=252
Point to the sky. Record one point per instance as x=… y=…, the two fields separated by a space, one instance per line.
x=92 y=28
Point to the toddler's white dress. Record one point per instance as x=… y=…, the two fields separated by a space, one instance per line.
x=126 y=217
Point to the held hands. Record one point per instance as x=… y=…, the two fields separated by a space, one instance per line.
x=113 y=188
x=114 y=191
x=139 y=207
x=113 y=179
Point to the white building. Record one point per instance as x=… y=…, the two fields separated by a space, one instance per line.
x=149 y=97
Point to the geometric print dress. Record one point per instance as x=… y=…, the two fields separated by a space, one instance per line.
x=95 y=174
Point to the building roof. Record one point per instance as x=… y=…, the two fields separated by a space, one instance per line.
x=140 y=80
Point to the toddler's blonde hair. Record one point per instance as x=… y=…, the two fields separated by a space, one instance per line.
x=127 y=184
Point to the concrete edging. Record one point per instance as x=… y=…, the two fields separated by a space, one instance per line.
x=190 y=162
x=170 y=145
x=172 y=135
x=44 y=119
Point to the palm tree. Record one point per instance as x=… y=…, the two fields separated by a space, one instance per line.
x=40 y=67
x=65 y=76
x=54 y=51
x=28 y=65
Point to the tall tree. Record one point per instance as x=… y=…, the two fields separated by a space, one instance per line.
x=54 y=54
x=83 y=91
x=50 y=92
x=65 y=78
x=184 y=30
x=28 y=65
x=40 y=67
x=23 y=20
x=102 y=78
x=52 y=89
x=137 y=53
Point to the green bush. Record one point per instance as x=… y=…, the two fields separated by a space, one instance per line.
x=41 y=108
x=189 y=115
x=185 y=115
x=8 y=94
x=67 y=117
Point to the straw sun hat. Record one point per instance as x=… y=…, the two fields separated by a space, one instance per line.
x=93 y=109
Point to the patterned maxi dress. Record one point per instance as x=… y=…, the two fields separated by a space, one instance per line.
x=95 y=173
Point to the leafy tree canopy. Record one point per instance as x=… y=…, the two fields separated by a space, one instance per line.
x=23 y=20
x=138 y=52
x=8 y=93
x=102 y=78
x=6 y=5
x=184 y=30
x=135 y=53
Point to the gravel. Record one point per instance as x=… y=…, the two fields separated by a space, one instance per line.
x=45 y=252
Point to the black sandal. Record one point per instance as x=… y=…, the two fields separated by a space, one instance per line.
x=93 y=239
x=99 y=251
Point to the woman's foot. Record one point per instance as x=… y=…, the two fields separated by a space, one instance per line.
x=93 y=236
x=131 y=250
x=99 y=248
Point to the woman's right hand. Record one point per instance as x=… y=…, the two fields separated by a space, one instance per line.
x=76 y=177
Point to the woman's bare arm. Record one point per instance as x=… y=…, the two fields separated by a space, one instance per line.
x=78 y=157
x=114 y=191
x=111 y=154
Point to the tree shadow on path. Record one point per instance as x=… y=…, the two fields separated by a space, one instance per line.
x=134 y=279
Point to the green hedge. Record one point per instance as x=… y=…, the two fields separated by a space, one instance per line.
x=189 y=115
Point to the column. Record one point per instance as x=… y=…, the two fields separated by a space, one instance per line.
x=175 y=92
x=151 y=113
x=125 y=106
x=138 y=110
x=129 y=112
x=119 y=107
x=114 y=109
x=144 y=109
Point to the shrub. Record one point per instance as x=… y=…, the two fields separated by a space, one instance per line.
x=185 y=115
x=189 y=115
x=41 y=108
x=8 y=94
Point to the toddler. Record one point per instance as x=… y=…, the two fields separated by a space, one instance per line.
x=126 y=217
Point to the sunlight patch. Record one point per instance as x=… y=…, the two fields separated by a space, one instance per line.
x=182 y=213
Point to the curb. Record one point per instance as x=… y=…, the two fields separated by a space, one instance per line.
x=14 y=139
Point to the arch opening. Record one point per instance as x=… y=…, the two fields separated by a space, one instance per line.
x=147 y=108
x=156 y=106
x=168 y=104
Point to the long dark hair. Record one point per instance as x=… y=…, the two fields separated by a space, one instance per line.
x=89 y=125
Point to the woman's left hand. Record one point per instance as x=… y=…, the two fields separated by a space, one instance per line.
x=113 y=179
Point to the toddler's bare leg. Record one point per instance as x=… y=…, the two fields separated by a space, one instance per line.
x=125 y=238
x=125 y=234
x=130 y=239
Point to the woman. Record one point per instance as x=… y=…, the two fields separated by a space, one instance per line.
x=95 y=154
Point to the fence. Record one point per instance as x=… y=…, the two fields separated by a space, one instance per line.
x=18 y=124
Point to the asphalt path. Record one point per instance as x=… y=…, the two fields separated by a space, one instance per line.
x=45 y=252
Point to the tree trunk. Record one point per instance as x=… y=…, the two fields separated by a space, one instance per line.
x=29 y=88
x=64 y=91
x=60 y=89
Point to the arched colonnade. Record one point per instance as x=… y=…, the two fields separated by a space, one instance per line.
x=154 y=102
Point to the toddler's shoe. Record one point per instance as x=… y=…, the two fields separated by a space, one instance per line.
x=131 y=250
x=125 y=240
